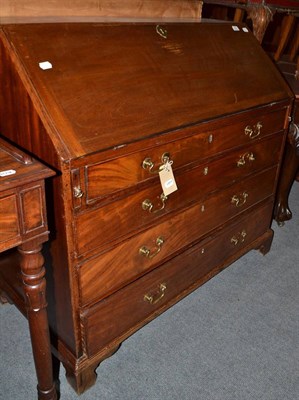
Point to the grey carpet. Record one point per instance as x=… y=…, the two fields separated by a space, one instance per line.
x=236 y=337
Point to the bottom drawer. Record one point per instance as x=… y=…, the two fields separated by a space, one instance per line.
x=119 y=315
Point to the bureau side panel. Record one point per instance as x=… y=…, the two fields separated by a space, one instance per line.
x=20 y=123
x=19 y=120
x=61 y=289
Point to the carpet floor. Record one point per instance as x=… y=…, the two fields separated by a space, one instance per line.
x=235 y=338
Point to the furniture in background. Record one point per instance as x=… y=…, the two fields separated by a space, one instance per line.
x=289 y=35
x=289 y=67
x=113 y=107
x=259 y=11
x=290 y=167
x=23 y=223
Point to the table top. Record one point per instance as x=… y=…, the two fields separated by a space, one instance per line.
x=22 y=206
x=17 y=168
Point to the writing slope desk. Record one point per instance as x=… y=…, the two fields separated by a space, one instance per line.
x=111 y=107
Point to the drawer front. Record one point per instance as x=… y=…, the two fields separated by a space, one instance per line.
x=10 y=235
x=122 y=218
x=108 y=272
x=124 y=172
x=125 y=311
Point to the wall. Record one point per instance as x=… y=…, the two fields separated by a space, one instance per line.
x=49 y=10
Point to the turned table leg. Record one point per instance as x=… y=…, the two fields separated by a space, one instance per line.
x=288 y=173
x=33 y=275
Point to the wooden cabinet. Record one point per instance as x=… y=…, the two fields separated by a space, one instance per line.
x=109 y=106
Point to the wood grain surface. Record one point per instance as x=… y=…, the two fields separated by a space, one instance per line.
x=17 y=10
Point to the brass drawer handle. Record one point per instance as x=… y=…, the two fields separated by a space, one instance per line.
x=241 y=200
x=146 y=252
x=147 y=205
x=239 y=238
x=153 y=299
x=148 y=164
x=244 y=157
x=253 y=131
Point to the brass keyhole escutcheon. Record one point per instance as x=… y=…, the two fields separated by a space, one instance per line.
x=78 y=193
x=161 y=31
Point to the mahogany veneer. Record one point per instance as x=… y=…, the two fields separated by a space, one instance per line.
x=119 y=103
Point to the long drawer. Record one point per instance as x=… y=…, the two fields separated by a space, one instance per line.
x=108 y=272
x=120 y=314
x=130 y=214
x=107 y=178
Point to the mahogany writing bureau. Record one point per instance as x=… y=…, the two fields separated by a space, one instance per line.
x=112 y=107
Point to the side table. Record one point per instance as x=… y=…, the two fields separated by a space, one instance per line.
x=23 y=224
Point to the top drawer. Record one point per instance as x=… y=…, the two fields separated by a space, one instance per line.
x=120 y=174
